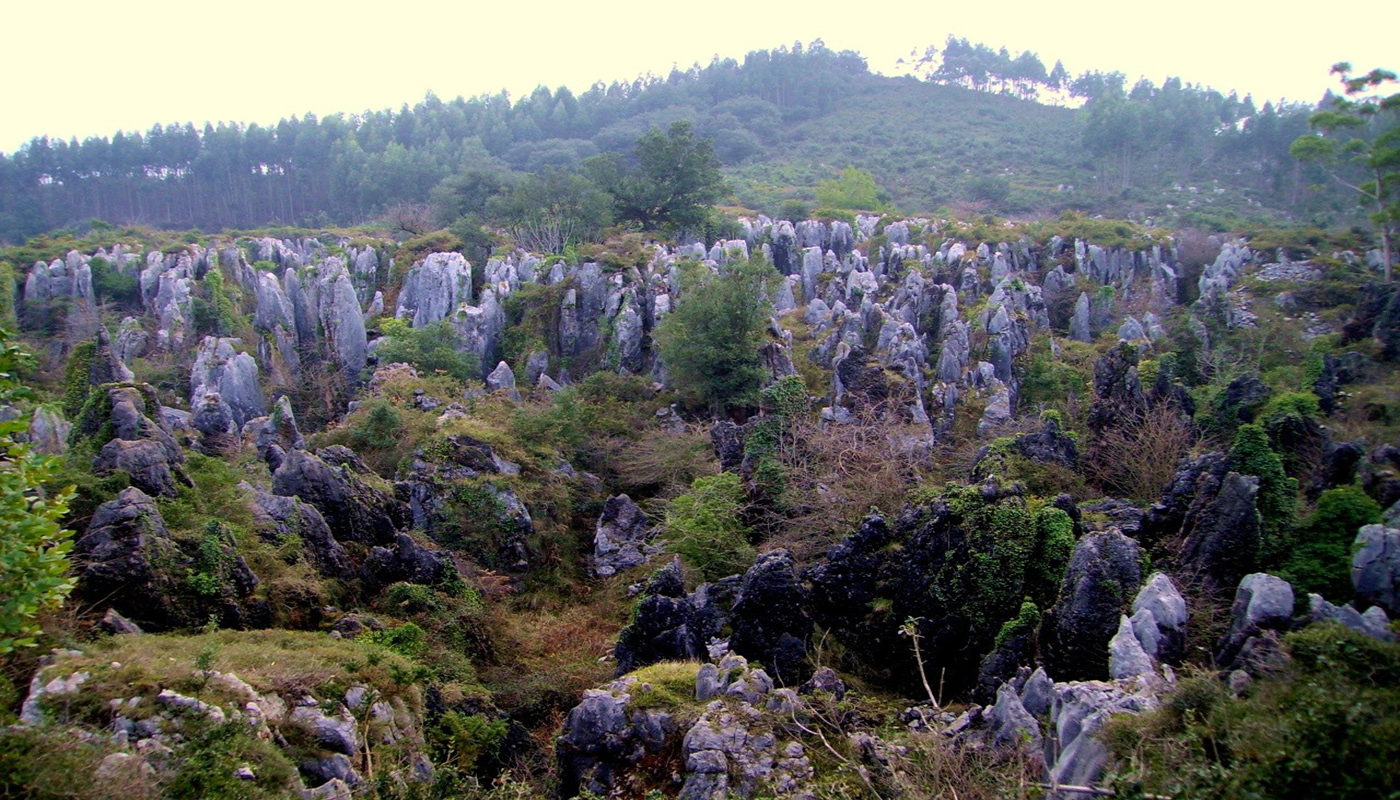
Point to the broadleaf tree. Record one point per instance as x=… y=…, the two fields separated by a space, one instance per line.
x=672 y=184
x=33 y=546
x=710 y=342
x=1357 y=139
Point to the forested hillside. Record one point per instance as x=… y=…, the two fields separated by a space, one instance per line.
x=971 y=134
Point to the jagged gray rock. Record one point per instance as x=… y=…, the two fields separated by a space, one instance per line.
x=502 y=378
x=279 y=519
x=1375 y=567
x=141 y=448
x=1263 y=602
x=352 y=508
x=220 y=369
x=1222 y=532
x=1159 y=618
x=433 y=289
x=620 y=540
x=1126 y=656
x=126 y=560
x=1079 y=329
x=770 y=621
x=48 y=430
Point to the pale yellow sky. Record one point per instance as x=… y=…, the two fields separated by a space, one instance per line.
x=89 y=68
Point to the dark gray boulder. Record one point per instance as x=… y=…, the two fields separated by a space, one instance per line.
x=141 y=447
x=1118 y=395
x=1221 y=533
x=665 y=625
x=1338 y=467
x=770 y=622
x=408 y=562
x=280 y=518
x=335 y=483
x=1164 y=518
x=127 y=561
x=597 y=743
x=1104 y=574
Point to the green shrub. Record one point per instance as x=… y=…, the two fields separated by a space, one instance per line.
x=710 y=341
x=407 y=640
x=1053 y=547
x=33 y=547
x=1315 y=730
x=1027 y=620
x=75 y=377
x=210 y=755
x=110 y=284
x=412 y=598
x=1277 y=499
x=429 y=349
x=461 y=740
x=706 y=529
x=381 y=429
x=1321 y=560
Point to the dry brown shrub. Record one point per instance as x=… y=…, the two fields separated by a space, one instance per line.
x=548 y=651
x=835 y=474
x=661 y=464
x=1138 y=458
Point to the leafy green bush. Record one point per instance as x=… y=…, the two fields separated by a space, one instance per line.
x=1321 y=560
x=33 y=547
x=1277 y=499
x=706 y=529
x=412 y=598
x=1315 y=730
x=110 y=284
x=1027 y=620
x=710 y=341
x=429 y=349
x=854 y=190
x=1053 y=547
x=407 y=640
x=75 y=377
x=461 y=740
x=381 y=429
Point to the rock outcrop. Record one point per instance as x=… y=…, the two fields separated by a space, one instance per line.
x=340 y=487
x=1104 y=574
x=620 y=541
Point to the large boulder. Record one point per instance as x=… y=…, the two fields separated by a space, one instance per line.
x=126 y=560
x=407 y=561
x=1375 y=568
x=1221 y=532
x=280 y=519
x=770 y=621
x=1263 y=603
x=668 y=624
x=433 y=289
x=140 y=446
x=1118 y=395
x=1104 y=574
x=337 y=484
x=219 y=368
